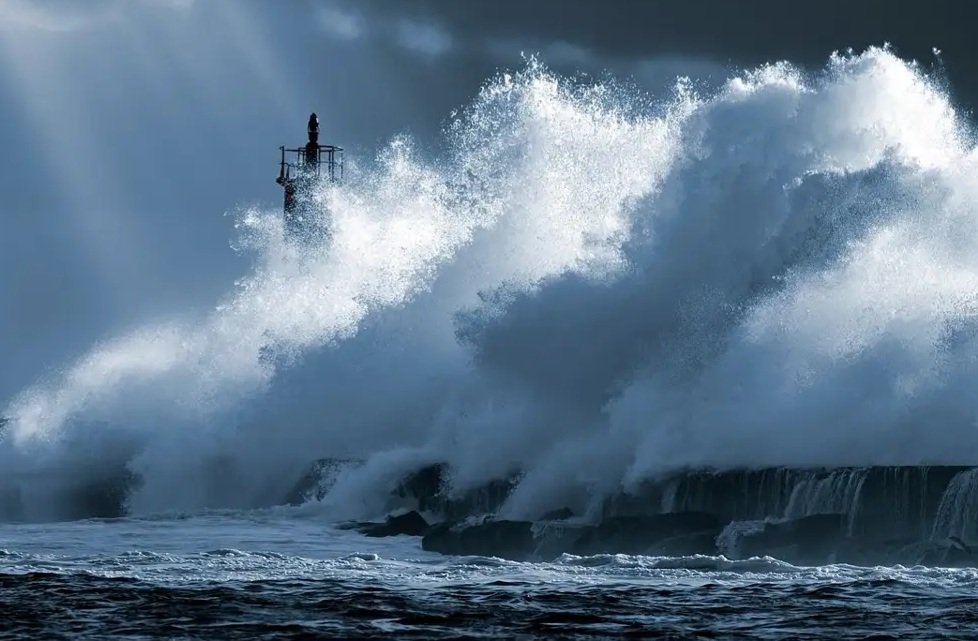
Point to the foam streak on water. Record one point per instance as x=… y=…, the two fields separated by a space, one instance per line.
x=280 y=574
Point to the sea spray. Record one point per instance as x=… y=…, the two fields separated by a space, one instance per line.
x=591 y=288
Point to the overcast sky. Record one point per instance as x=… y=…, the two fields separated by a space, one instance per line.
x=130 y=127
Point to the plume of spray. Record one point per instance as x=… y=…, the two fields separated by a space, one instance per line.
x=592 y=287
x=393 y=229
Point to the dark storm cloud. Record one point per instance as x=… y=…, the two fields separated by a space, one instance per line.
x=758 y=29
x=727 y=31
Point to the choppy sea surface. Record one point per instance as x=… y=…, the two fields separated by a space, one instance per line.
x=286 y=574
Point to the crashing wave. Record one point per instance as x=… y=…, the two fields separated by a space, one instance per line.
x=591 y=289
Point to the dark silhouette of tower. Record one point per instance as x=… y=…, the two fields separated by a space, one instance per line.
x=297 y=173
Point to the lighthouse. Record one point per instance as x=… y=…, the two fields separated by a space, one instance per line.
x=300 y=169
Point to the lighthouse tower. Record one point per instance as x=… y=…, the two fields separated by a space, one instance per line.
x=300 y=169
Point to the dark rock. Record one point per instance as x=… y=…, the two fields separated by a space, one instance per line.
x=810 y=540
x=425 y=491
x=442 y=537
x=952 y=553
x=956 y=542
x=410 y=524
x=105 y=497
x=424 y=486
x=894 y=510
x=553 y=538
x=890 y=502
x=504 y=539
x=317 y=480
x=484 y=499
x=562 y=514
x=859 y=551
x=704 y=542
x=639 y=534
x=956 y=557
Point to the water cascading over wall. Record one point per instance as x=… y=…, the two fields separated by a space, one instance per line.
x=909 y=502
x=957 y=514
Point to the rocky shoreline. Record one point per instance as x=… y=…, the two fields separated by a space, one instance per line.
x=905 y=515
x=861 y=516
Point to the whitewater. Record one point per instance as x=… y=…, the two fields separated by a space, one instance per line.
x=280 y=575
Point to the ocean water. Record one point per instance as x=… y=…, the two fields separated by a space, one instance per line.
x=288 y=574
